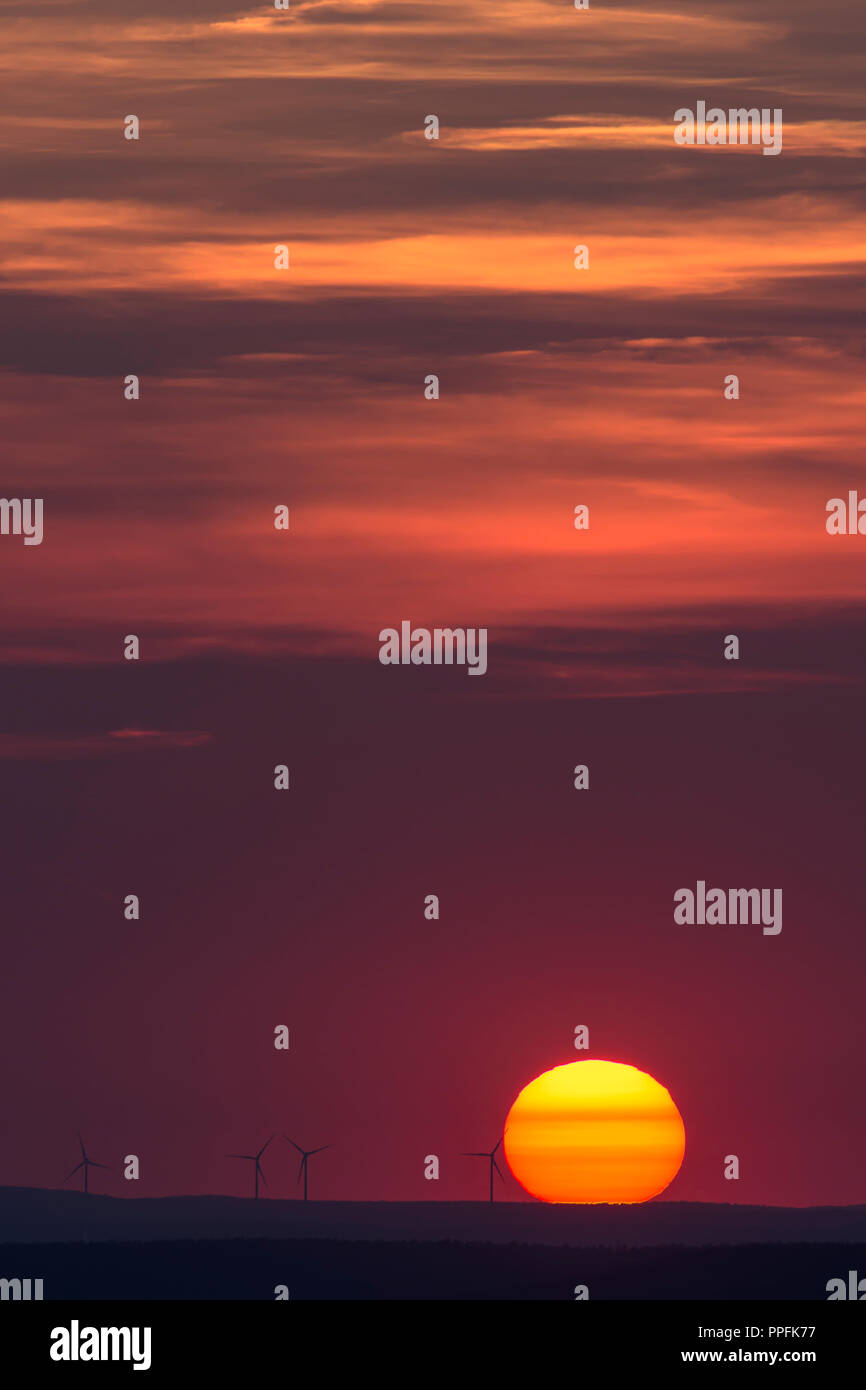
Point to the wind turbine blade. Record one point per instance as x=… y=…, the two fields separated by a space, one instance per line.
x=262 y=1149
x=263 y=1178
x=74 y=1171
x=252 y=1156
x=472 y=1153
x=495 y=1147
x=498 y=1169
x=321 y=1148
x=94 y=1164
x=293 y=1144
x=301 y=1169
x=81 y=1142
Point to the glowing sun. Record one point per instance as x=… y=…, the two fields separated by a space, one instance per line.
x=594 y=1132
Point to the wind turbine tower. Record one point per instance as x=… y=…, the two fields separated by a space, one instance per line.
x=305 y=1154
x=256 y=1159
x=85 y=1164
x=491 y=1157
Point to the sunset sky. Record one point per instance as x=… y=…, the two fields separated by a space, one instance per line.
x=305 y=387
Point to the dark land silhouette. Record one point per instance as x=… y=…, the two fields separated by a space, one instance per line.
x=98 y=1247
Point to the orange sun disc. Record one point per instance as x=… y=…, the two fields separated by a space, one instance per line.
x=594 y=1131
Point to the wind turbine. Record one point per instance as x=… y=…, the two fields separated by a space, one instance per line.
x=305 y=1154
x=85 y=1164
x=491 y=1156
x=256 y=1159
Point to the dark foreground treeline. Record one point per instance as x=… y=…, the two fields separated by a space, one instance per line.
x=314 y=1269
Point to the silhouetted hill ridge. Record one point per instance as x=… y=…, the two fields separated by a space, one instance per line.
x=36 y=1215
